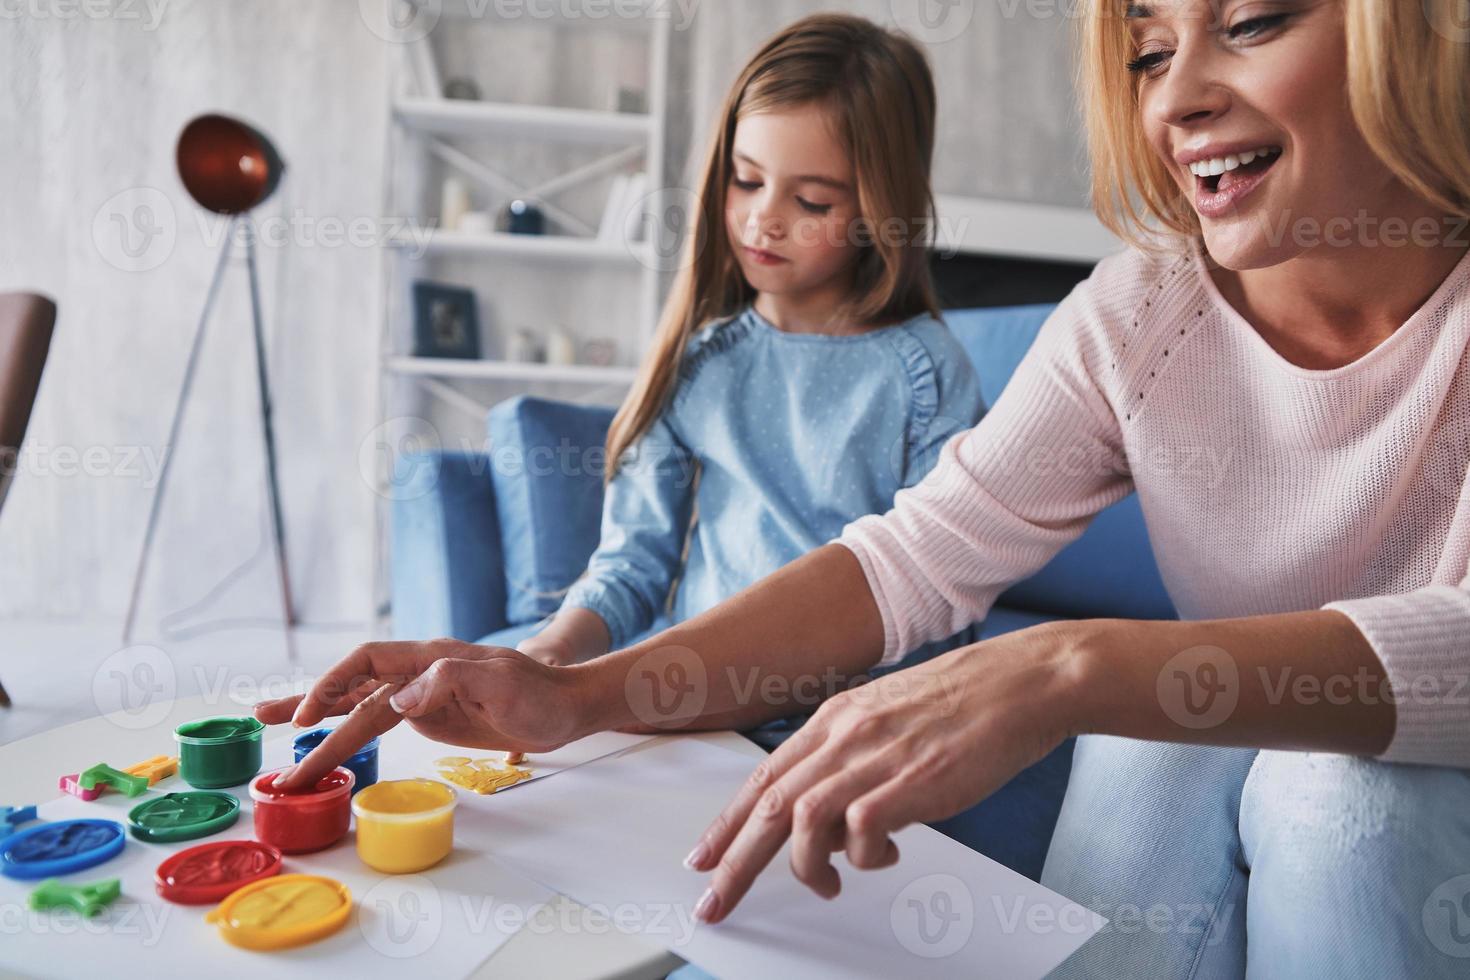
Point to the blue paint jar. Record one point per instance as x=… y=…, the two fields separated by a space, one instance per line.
x=363 y=765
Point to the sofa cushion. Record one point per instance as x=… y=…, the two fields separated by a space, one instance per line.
x=1109 y=570
x=547 y=469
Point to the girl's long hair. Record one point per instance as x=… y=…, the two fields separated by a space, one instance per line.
x=876 y=86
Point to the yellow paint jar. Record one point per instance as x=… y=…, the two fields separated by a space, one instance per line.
x=404 y=825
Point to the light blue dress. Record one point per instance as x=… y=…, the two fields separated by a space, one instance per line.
x=771 y=443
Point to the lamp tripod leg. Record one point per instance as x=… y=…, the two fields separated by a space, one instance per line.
x=190 y=366
x=278 y=528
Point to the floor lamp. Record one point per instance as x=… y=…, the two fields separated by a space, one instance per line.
x=229 y=168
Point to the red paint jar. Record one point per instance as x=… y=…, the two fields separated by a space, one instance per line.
x=303 y=820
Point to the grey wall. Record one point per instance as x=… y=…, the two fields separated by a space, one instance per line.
x=1008 y=126
x=90 y=109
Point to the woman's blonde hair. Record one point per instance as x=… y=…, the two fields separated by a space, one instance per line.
x=876 y=85
x=1408 y=69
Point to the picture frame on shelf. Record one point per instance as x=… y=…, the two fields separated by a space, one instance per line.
x=446 y=321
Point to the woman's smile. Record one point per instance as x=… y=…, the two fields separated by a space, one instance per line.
x=1225 y=174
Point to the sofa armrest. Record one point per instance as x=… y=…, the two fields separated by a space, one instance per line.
x=448 y=566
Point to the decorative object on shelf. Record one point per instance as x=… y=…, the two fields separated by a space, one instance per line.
x=229 y=168
x=445 y=321
x=522 y=348
x=561 y=348
x=599 y=352
x=454 y=202
x=633 y=100
x=463 y=88
x=524 y=218
x=476 y=223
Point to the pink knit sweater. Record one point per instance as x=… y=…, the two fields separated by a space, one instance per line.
x=1266 y=487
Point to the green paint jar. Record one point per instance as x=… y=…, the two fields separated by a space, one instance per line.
x=216 y=752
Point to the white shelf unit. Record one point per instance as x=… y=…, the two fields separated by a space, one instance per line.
x=425 y=125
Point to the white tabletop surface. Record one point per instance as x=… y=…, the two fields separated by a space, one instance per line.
x=32 y=766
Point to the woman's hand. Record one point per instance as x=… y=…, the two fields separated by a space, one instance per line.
x=916 y=745
x=453 y=692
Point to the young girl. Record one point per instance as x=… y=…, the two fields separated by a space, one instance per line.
x=800 y=375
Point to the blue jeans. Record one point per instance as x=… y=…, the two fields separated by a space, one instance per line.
x=1336 y=867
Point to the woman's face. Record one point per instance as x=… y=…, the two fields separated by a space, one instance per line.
x=791 y=202
x=1245 y=101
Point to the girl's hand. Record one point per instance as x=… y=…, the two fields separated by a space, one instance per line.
x=916 y=745
x=453 y=692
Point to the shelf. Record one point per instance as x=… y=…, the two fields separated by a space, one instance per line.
x=456 y=117
x=554 y=247
x=448 y=367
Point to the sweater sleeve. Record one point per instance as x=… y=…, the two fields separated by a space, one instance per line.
x=1005 y=495
x=1423 y=639
x=646 y=514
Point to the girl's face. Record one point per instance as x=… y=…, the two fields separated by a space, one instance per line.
x=791 y=203
x=1245 y=102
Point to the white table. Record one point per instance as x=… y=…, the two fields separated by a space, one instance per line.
x=33 y=765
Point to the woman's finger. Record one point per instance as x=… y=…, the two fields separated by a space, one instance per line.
x=395 y=661
x=370 y=718
x=277 y=711
x=874 y=817
x=282 y=710
x=443 y=683
x=817 y=829
x=719 y=834
x=764 y=833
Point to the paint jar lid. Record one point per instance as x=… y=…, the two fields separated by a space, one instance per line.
x=183 y=816
x=284 y=911
x=307 y=741
x=60 y=847
x=218 y=731
x=404 y=800
x=209 y=872
x=336 y=783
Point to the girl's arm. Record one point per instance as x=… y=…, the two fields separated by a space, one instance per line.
x=646 y=513
x=572 y=636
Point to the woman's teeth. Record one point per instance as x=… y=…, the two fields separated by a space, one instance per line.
x=1219 y=165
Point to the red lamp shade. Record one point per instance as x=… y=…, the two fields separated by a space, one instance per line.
x=227 y=166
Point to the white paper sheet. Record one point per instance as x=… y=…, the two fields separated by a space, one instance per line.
x=614 y=838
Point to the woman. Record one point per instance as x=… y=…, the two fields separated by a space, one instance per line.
x=1289 y=760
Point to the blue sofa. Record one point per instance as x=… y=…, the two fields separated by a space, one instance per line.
x=484 y=545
